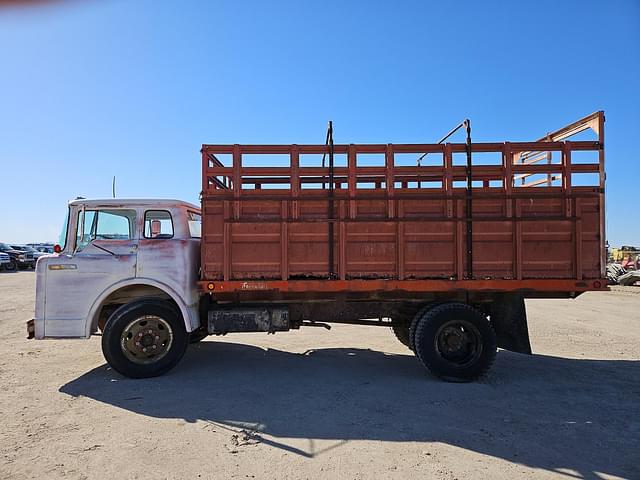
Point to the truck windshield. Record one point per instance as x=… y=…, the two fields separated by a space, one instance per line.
x=62 y=240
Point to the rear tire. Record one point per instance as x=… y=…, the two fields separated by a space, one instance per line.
x=144 y=338
x=12 y=266
x=400 y=328
x=413 y=325
x=455 y=342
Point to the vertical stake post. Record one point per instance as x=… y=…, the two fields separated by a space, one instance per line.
x=469 y=205
x=331 y=206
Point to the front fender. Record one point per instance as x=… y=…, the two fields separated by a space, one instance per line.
x=189 y=312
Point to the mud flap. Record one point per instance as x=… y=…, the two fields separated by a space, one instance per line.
x=509 y=319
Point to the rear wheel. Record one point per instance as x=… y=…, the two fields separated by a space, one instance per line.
x=145 y=338
x=12 y=266
x=400 y=328
x=413 y=325
x=455 y=342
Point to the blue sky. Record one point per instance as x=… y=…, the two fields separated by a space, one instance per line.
x=92 y=89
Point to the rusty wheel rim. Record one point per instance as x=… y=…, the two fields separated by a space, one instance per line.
x=146 y=339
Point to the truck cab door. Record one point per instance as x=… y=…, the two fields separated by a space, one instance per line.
x=104 y=253
x=169 y=254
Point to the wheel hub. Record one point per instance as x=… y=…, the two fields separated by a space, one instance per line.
x=458 y=342
x=146 y=339
x=453 y=340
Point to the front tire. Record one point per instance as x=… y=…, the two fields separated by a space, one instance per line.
x=455 y=342
x=144 y=338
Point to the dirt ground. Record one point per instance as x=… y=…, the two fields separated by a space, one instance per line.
x=351 y=403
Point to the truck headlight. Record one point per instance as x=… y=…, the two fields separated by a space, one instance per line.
x=21 y=257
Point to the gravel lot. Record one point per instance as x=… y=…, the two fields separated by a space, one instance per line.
x=350 y=403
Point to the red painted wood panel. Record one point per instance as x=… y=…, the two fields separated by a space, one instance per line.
x=392 y=223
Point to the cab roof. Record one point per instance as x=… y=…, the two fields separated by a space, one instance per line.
x=132 y=202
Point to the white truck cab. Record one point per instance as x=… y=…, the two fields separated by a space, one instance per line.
x=113 y=252
x=131 y=268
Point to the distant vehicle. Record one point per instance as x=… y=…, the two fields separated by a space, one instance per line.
x=18 y=258
x=5 y=260
x=29 y=249
x=29 y=260
x=41 y=247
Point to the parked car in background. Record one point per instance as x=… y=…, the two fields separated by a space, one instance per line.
x=5 y=260
x=18 y=258
x=30 y=250
x=28 y=261
x=42 y=247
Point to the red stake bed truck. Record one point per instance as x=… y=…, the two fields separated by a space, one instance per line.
x=441 y=242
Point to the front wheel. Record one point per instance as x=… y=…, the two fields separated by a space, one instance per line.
x=455 y=341
x=12 y=266
x=145 y=338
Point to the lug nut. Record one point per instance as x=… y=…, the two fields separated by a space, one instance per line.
x=144 y=349
x=154 y=347
x=138 y=344
x=157 y=337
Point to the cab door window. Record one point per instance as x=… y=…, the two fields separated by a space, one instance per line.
x=104 y=225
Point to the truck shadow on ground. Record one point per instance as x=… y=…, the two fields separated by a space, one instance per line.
x=579 y=418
